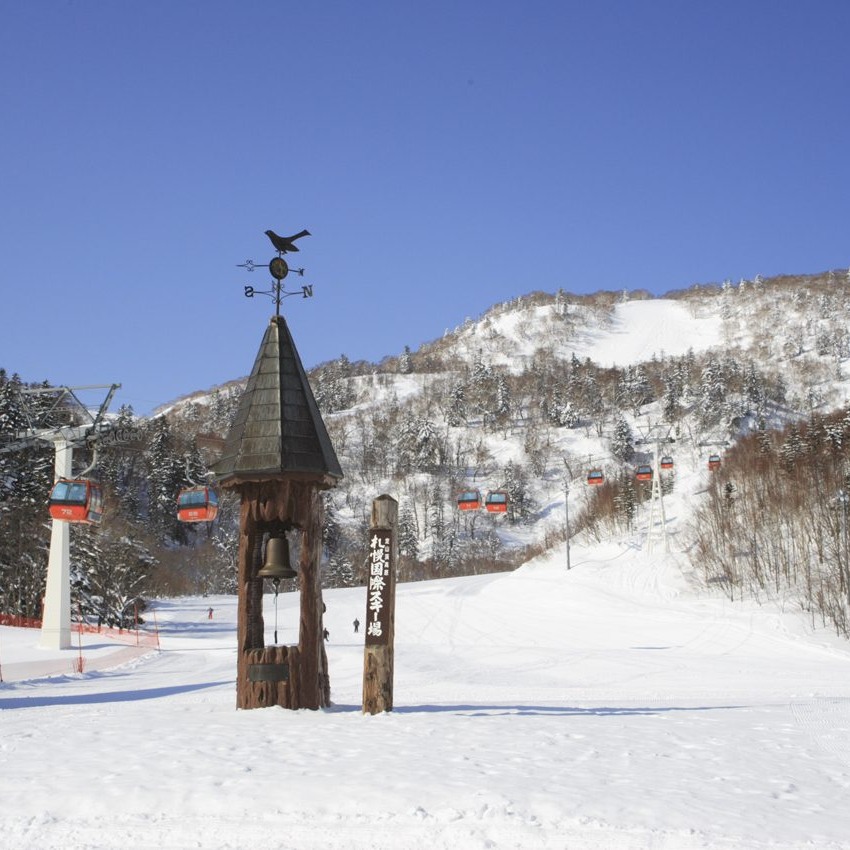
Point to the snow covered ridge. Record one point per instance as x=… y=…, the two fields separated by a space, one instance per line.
x=631 y=333
x=547 y=378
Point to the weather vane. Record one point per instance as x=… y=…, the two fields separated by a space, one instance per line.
x=279 y=269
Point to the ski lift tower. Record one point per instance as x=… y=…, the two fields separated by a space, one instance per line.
x=67 y=423
x=656 y=500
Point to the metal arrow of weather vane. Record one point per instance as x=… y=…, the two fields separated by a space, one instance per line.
x=279 y=269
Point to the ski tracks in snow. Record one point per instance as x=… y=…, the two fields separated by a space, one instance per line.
x=827 y=721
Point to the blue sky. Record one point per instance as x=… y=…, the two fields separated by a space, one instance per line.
x=445 y=156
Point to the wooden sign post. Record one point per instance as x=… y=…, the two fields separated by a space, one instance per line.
x=380 y=607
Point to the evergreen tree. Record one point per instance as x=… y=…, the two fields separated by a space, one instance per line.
x=408 y=535
x=331 y=386
x=26 y=477
x=793 y=447
x=712 y=392
x=520 y=501
x=339 y=571
x=110 y=568
x=417 y=445
x=456 y=413
x=165 y=476
x=670 y=402
x=634 y=389
x=726 y=300
x=331 y=531
x=441 y=538
x=626 y=500
x=502 y=411
x=754 y=389
x=623 y=443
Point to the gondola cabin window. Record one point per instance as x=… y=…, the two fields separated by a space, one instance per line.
x=497 y=501
x=469 y=500
x=76 y=500
x=197 y=504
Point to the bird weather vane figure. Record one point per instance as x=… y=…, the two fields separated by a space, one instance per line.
x=285 y=243
x=279 y=269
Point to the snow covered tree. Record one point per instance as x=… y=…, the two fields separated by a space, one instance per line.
x=331 y=386
x=754 y=388
x=26 y=476
x=626 y=500
x=339 y=572
x=726 y=300
x=443 y=537
x=456 y=411
x=520 y=501
x=417 y=445
x=165 y=476
x=110 y=566
x=792 y=448
x=502 y=409
x=634 y=389
x=408 y=533
x=561 y=412
x=671 y=406
x=623 y=442
x=712 y=392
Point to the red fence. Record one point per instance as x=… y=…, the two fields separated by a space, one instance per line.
x=19 y=622
x=136 y=637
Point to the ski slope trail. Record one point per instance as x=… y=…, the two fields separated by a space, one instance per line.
x=608 y=707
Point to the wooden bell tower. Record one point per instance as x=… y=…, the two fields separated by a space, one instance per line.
x=279 y=457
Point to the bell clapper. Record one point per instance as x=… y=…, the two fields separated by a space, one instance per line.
x=276 y=584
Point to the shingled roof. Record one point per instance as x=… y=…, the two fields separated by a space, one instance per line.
x=278 y=431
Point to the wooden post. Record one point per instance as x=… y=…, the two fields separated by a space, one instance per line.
x=288 y=676
x=315 y=683
x=380 y=607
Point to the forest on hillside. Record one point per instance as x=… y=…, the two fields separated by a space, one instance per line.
x=424 y=446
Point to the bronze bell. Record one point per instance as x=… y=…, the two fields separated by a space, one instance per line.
x=277 y=564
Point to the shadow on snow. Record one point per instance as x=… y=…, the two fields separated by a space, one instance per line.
x=107 y=697
x=544 y=710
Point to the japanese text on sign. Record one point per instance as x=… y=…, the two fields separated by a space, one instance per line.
x=380 y=579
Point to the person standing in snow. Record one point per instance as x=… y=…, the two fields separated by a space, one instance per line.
x=356 y=625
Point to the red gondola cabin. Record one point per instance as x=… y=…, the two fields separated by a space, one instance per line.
x=644 y=473
x=76 y=500
x=714 y=462
x=497 y=501
x=595 y=477
x=469 y=500
x=667 y=463
x=197 y=504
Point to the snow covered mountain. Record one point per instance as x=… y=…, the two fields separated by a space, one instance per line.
x=528 y=399
x=532 y=394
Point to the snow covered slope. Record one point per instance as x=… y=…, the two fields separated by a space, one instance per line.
x=604 y=708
